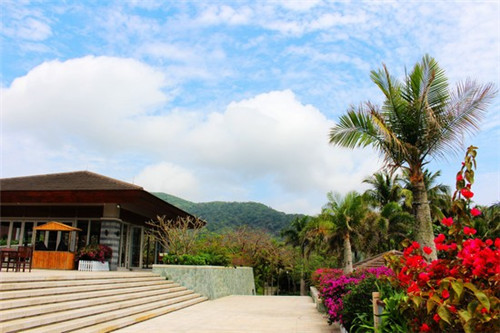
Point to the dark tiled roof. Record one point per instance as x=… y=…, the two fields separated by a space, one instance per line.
x=78 y=180
x=376 y=261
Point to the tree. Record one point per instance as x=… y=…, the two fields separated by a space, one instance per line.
x=385 y=188
x=296 y=236
x=420 y=118
x=179 y=235
x=346 y=215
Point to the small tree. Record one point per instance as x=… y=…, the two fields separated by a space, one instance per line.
x=179 y=235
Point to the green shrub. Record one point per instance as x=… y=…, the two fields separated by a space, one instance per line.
x=358 y=300
x=202 y=259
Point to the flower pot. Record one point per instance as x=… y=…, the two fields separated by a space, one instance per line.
x=92 y=266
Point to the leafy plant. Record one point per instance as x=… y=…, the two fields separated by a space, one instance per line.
x=97 y=252
x=459 y=291
x=202 y=259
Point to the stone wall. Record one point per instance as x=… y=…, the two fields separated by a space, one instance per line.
x=210 y=281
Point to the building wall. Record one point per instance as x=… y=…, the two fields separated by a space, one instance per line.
x=210 y=281
x=110 y=236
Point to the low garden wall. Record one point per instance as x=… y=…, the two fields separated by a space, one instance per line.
x=210 y=281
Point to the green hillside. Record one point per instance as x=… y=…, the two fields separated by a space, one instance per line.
x=220 y=215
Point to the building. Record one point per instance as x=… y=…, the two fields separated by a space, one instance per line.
x=107 y=211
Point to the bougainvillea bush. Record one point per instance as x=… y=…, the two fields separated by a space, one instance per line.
x=334 y=285
x=97 y=252
x=460 y=291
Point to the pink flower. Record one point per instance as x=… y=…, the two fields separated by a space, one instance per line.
x=475 y=212
x=469 y=231
x=427 y=250
x=447 y=221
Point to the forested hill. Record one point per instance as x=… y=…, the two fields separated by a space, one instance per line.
x=220 y=215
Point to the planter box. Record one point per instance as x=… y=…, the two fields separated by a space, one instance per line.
x=93 y=266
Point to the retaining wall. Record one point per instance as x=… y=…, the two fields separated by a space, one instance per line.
x=210 y=281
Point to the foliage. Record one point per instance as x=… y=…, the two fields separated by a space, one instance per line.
x=232 y=215
x=333 y=288
x=178 y=236
x=95 y=252
x=460 y=290
x=420 y=118
x=201 y=259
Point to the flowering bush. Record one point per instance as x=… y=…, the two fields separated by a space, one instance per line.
x=334 y=285
x=460 y=291
x=97 y=252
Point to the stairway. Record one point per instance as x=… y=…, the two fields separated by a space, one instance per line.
x=86 y=301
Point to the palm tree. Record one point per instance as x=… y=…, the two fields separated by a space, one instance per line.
x=346 y=215
x=420 y=118
x=296 y=236
x=385 y=188
x=438 y=194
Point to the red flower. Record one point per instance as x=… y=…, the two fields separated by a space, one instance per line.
x=445 y=293
x=453 y=309
x=425 y=328
x=460 y=177
x=484 y=310
x=436 y=318
x=469 y=231
x=415 y=245
x=467 y=193
x=447 y=221
x=427 y=250
x=475 y=212
x=439 y=239
x=497 y=243
x=424 y=277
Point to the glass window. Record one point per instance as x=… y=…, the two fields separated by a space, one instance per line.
x=82 y=235
x=95 y=232
x=28 y=233
x=4 y=233
x=15 y=236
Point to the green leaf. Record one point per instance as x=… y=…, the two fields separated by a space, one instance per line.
x=417 y=300
x=430 y=305
x=444 y=313
x=483 y=299
x=458 y=287
x=465 y=315
x=470 y=286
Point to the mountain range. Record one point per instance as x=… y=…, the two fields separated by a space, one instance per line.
x=221 y=215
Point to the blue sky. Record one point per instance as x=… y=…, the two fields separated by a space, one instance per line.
x=227 y=100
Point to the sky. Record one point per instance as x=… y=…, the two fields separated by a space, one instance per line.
x=228 y=100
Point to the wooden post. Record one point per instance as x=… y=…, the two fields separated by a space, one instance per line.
x=377 y=311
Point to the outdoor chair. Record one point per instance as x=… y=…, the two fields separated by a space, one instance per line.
x=24 y=257
x=10 y=258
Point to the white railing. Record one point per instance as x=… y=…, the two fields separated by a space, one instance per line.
x=92 y=266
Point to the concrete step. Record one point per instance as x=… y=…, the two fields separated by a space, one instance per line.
x=42 y=275
x=11 y=286
x=84 y=322
x=41 y=309
x=106 y=312
x=112 y=325
x=29 y=301
x=68 y=290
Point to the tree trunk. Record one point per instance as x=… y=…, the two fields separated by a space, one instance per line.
x=303 y=291
x=347 y=254
x=425 y=234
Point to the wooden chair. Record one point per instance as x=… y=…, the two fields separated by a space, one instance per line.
x=9 y=257
x=24 y=257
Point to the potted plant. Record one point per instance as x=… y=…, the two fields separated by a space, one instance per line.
x=93 y=257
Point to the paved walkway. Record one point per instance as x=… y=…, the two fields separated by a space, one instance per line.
x=241 y=314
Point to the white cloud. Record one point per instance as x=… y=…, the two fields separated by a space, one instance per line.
x=104 y=109
x=169 y=178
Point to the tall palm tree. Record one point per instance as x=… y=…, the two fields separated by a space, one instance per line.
x=296 y=235
x=420 y=118
x=385 y=188
x=438 y=194
x=346 y=215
